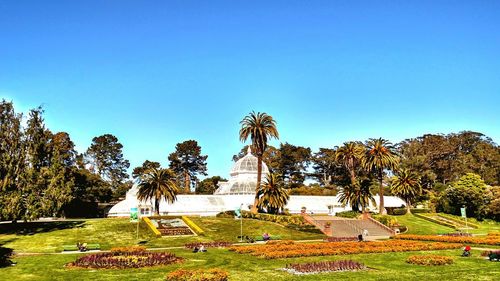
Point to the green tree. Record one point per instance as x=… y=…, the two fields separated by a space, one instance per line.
x=325 y=166
x=208 y=185
x=12 y=162
x=158 y=184
x=406 y=184
x=350 y=155
x=357 y=195
x=259 y=127
x=294 y=161
x=380 y=156
x=272 y=196
x=188 y=162
x=106 y=157
x=139 y=171
x=469 y=191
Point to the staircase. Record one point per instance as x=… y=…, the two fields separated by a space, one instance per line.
x=343 y=227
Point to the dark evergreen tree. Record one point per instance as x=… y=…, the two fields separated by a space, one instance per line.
x=188 y=162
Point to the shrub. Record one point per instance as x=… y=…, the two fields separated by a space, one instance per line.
x=132 y=249
x=226 y=214
x=429 y=260
x=458 y=234
x=420 y=211
x=214 y=274
x=399 y=211
x=325 y=266
x=125 y=260
x=386 y=220
x=5 y=254
x=458 y=220
x=441 y=222
x=348 y=214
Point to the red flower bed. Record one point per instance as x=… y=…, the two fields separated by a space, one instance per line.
x=125 y=259
x=340 y=239
x=338 y=248
x=215 y=244
x=489 y=240
x=324 y=266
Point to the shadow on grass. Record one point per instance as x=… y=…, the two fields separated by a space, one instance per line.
x=30 y=228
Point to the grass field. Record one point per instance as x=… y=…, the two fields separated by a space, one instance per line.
x=47 y=240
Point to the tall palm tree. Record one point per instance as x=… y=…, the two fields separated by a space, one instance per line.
x=350 y=156
x=406 y=184
x=272 y=196
x=380 y=156
x=259 y=127
x=157 y=184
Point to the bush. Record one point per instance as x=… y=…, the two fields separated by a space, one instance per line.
x=215 y=244
x=214 y=274
x=348 y=214
x=5 y=254
x=429 y=260
x=441 y=222
x=132 y=249
x=420 y=211
x=399 y=211
x=386 y=220
x=226 y=214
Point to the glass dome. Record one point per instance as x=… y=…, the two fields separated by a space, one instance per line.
x=243 y=178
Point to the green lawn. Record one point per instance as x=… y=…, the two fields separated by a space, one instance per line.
x=49 y=237
x=387 y=266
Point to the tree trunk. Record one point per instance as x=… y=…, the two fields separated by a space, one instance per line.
x=380 y=181
x=259 y=178
x=186 y=182
x=157 y=207
x=408 y=208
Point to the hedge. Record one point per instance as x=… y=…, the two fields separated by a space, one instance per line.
x=436 y=221
x=458 y=220
x=348 y=214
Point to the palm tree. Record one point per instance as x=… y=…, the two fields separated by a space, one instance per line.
x=259 y=127
x=358 y=195
x=350 y=156
x=272 y=196
x=159 y=184
x=406 y=184
x=379 y=156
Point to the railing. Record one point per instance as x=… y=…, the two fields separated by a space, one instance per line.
x=318 y=224
x=385 y=227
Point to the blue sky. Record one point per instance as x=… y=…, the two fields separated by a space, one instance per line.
x=155 y=73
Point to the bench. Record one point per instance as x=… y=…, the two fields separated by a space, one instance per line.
x=75 y=248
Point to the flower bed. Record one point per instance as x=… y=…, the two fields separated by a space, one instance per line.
x=215 y=244
x=488 y=240
x=324 y=266
x=270 y=251
x=128 y=258
x=200 y=274
x=458 y=234
x=340 y=239
x=429 y=260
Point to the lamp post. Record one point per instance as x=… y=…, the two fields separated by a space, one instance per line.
x=241 y=223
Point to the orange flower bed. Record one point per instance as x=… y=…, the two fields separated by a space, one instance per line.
x=429 y=260
x=277 y=251
x=489 y=240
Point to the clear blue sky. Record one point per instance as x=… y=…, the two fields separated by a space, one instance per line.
x=155 y=73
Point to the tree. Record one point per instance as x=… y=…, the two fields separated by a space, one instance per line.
x=147 y=165
x=406 y=184
x=158 y=184
x=12 y=162
x=379 y=156
x=106 y=157
x=188 y=161
x=469 y=191
x=357 y=195
x=350 y=155
x=325 y=166
x=208 y=185
x=272 y=196
x=259 y=127
x=293 y=163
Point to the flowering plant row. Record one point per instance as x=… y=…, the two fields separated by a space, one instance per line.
x=340 y=239
x=324 y=266
x=458 y=234
x=338 y=248
x=214 y=274
x=125 y=260
x=429 y=260
x=214 y=244
x=131 y=249
x=489 y=240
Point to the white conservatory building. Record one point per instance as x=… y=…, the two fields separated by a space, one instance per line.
x=238 y=191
